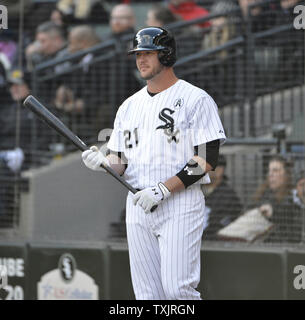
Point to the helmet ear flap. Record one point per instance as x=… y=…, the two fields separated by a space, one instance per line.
x=165 y=57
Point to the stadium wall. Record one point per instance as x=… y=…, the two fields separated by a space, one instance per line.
x=90 y=270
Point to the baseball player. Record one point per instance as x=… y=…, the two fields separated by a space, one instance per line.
x=165 y=139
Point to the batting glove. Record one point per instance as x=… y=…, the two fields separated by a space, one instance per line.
x=150 y=197
x=93 y=158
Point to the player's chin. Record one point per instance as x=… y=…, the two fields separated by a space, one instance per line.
x=146 y=76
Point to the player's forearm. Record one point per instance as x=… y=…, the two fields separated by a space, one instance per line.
x=175 y=184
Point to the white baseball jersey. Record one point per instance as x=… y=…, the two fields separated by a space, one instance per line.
x=157 y=135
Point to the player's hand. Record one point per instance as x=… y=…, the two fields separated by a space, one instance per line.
x=14 y=159
x=93 y=158
x=149 y=197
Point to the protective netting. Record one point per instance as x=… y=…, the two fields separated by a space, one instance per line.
x=248 y=55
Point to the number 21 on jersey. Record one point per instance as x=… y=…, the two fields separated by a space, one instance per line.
x=131 y=138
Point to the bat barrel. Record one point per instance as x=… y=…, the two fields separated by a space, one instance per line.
x=43 y=113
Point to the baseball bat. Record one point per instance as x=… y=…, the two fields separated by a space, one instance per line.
x=52 y=121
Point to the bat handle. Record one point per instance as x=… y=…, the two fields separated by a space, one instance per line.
x=128 y=186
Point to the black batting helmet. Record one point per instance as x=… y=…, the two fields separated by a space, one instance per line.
x=155 y=38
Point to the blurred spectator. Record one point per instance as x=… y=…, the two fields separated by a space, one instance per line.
x=79 y=92
x=49 y=41
x=219 y=76
x=287 y=7
x=187 y=40
x=122 y=21
x=77 y=12
x=292 y=45
x=299 y=203
x=122 y=68
x=19 y=88
x=222 y=204
x=262 y=16
x=188 y=10
x=14 y=148
x=265 y=50
x=39 y=13
x=3 y=76
x=80 y=38
x=57 y=17
x=223 y=28
x=274 y=197
x=159 y=16
x=8 y=47
x=299 y=191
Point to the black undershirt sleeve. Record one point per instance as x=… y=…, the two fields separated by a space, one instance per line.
x=192 y=171
x=212 y=152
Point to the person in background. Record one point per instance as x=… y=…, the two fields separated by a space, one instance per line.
x=80 y=38
x=299 y=191
x=76 y=12
x=220 y=79
x=266 y=52
x=298 y=194
x=274 y=197
x=12 y=114
x=160 y=16
x=287 y=8
x=222 y=203
x=8 y=47
x=122 y=21
x=263 y=17
x=291 y=44
x=78 y=93
x=188 y=40
x=15 y=141
x=122 y=68
x=223 y=28
x=49 y=42
x=189 y=10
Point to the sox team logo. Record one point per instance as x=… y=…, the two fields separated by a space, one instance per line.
x=67 y=267
x=165 y=116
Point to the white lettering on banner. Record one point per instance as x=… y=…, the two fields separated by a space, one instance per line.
x=14 y=266
x=14 y=293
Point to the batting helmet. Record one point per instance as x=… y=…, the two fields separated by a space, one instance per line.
x=155 y=38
